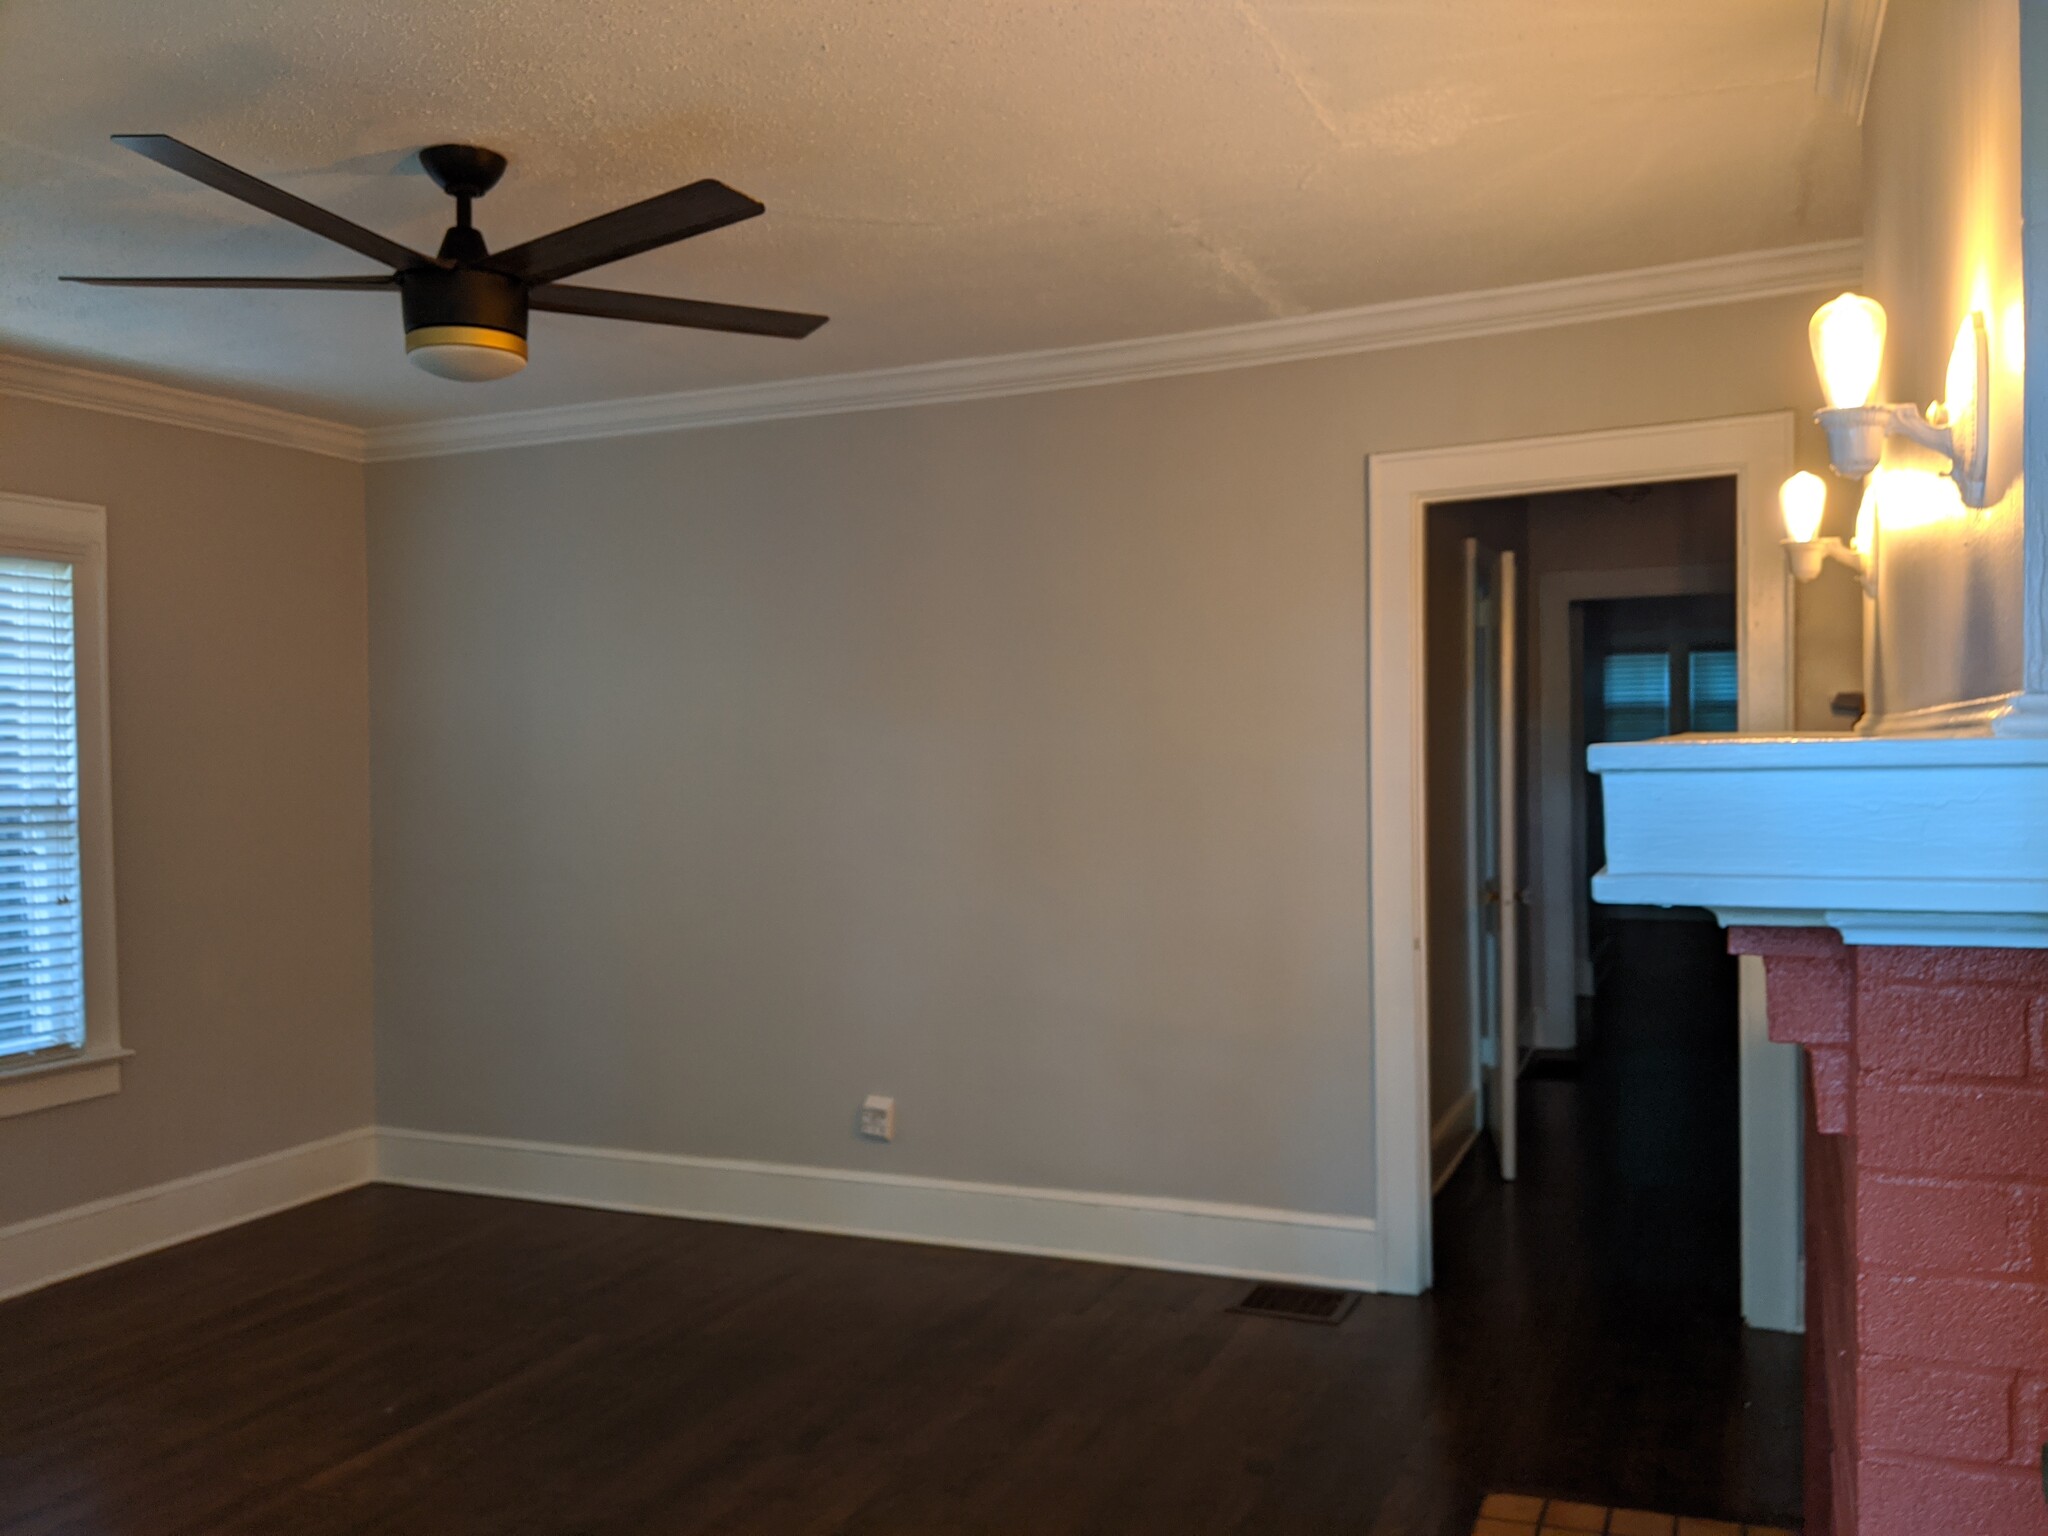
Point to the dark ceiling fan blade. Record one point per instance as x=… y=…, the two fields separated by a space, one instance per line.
x=656 y=310
x=692 y=210
x=222 y=177
x=388 y=281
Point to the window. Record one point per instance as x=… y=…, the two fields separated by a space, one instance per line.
x=59 y=1033
x=1711 y=690
x=42 y=946
x=1635 y=695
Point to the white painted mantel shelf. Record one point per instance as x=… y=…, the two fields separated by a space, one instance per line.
x=1890 y=840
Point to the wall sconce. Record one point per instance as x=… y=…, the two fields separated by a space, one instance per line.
x=1847 y=335
x=1803 y=499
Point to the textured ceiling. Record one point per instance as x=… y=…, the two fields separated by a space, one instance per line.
x=945 y=178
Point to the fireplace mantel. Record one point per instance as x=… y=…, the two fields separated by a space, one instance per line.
x=1924 y=1015
x=1901 y=840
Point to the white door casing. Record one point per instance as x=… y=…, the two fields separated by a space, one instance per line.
x=1756 y=451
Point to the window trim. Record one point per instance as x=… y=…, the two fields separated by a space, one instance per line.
x=76 y=532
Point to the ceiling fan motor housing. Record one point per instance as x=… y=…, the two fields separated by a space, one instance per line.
x=464 y=322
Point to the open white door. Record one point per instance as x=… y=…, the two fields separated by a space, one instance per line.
x=1507 y=791
x=1492 y=869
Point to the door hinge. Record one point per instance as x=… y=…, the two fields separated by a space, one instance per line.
x=1489 y=1050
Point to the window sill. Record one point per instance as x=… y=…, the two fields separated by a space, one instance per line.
x=91 y=1074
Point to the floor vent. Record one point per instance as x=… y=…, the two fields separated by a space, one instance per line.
x=1298 y=1303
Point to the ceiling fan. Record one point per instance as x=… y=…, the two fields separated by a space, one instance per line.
x=465 y=307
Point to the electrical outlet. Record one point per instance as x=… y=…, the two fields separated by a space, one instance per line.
x=878 y=1118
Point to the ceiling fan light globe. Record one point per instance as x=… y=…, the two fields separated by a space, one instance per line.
x=468 y=354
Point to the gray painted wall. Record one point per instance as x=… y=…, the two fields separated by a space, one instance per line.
x=2034 y=277
x=1008 y=757
x=1942 y=234
x=240 y=732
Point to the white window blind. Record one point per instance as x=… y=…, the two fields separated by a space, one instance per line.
x=1635 y=695
x=42 y=951
x=1713 y=689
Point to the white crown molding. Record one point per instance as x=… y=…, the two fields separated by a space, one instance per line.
x=70 y=1242
x=1204 y=1237
x=2024 y=714
x=1930 y=840
x=2003 y=714
x=1373 y=327
x=1404 y=323
x=1849 y=35
x=31 y=378
x=1963 y=717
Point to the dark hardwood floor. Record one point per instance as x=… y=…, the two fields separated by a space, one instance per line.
x=414 y=1364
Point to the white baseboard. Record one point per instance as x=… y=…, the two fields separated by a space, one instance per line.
x=1254 y=1242
x=46 y=1249
x=1452 y=1138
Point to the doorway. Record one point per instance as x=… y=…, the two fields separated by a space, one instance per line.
x=1525 y=960
x=1751 y=456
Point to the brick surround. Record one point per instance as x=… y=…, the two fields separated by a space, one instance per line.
x=1926 y=1230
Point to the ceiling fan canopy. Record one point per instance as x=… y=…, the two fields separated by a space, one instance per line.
x=465 y=307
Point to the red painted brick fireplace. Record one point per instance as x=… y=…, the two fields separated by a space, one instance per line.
x=1926 y=1230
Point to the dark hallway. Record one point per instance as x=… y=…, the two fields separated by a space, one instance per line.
x=1596 y=1302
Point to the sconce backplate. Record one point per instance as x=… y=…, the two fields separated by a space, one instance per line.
x=1969 y=407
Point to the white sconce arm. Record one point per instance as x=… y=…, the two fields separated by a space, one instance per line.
x=1856 y=435
x=1938 y=433
x=1810 y=556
